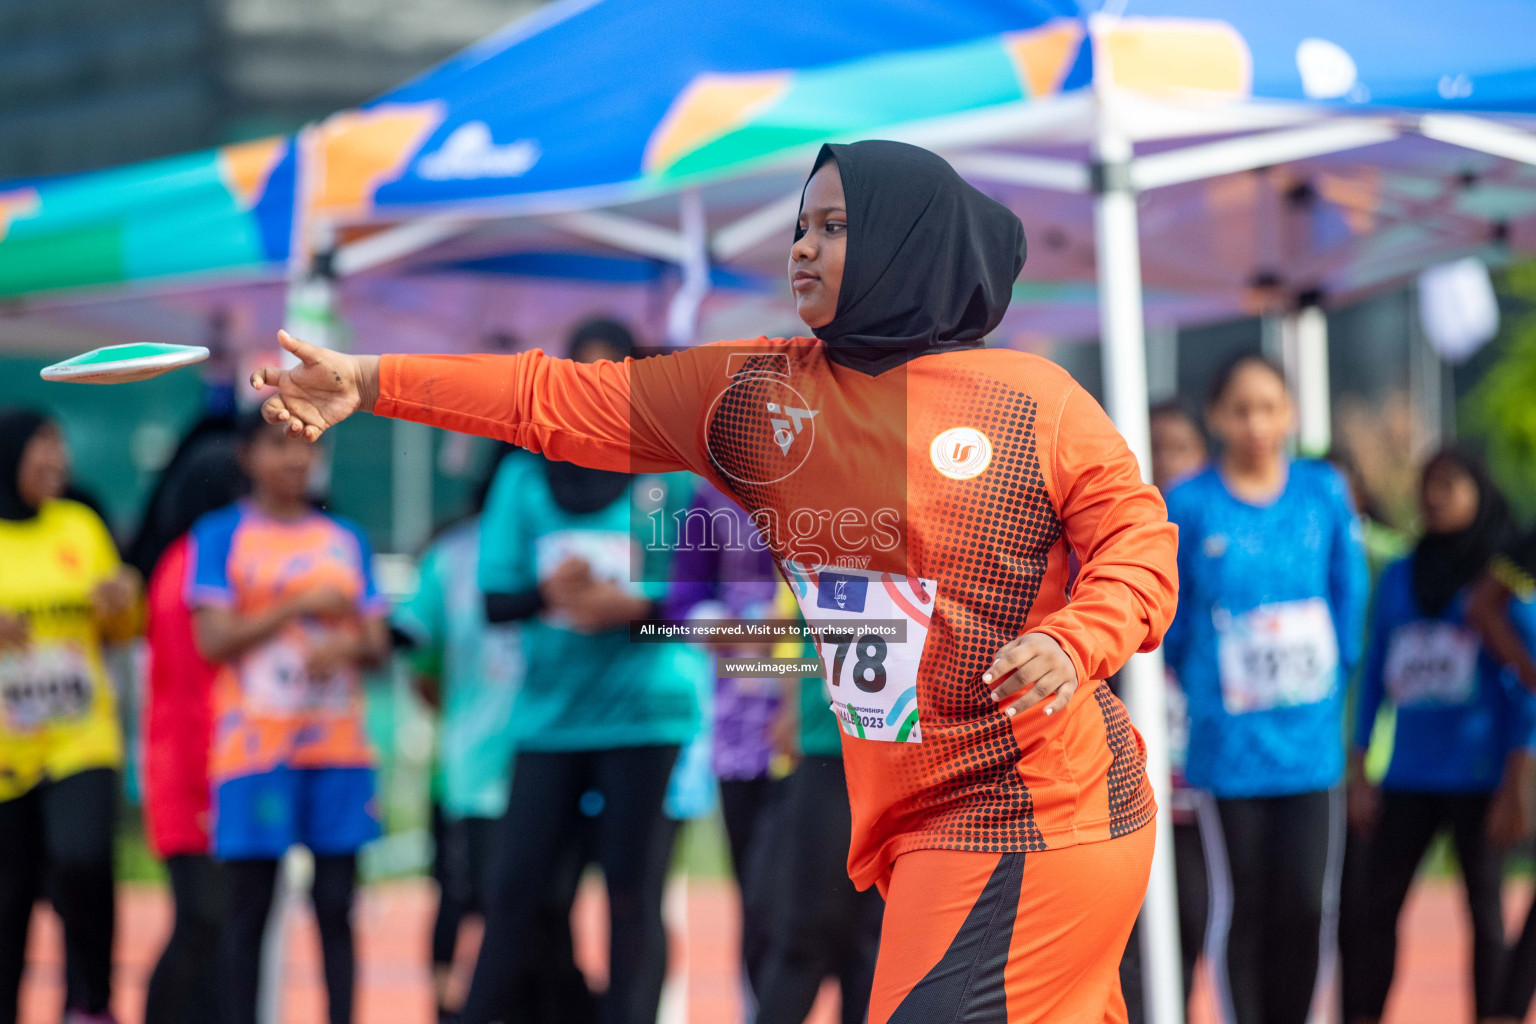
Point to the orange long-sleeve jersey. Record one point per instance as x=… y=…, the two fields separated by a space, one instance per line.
x=973 y=472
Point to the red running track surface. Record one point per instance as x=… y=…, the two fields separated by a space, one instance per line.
x=394 y=983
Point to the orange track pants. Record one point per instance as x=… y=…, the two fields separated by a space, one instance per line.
x=1013 y=938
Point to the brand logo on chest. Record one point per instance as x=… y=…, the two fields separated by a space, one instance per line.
x=961 y=453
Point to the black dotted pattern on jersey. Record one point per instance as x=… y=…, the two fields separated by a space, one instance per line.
x=1130 y=798
x=990 y=563
x=739 y=445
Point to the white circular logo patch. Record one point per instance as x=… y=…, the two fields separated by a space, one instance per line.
x=961 y=453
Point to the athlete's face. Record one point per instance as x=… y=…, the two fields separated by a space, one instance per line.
x=1253 y=417
x=1449 y=498
x=278 y=465
x=43 y=473
x=1177 y=449
x=816 y=259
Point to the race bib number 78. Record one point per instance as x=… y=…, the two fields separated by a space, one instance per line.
x=872 y=676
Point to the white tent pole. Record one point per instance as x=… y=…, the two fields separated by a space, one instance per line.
x=1477 y=133
x=396 y=243
x=1312 y=379
x=1123 y=348
x=777 y=218
x=1306 y=340
x=683 y=313
x=1032 y=171
x=1261 y=149
x=624 y=232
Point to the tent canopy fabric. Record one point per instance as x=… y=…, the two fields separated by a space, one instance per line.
x=622 y=96
x=218 y=212
x=578 y=128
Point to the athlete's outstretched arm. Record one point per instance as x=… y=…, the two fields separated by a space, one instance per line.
x=586 y=413
x=1127 y=590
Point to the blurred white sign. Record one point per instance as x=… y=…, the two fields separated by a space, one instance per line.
x=1327 y=70
x=1458 y=309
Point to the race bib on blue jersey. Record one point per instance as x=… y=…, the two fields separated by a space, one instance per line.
x=1431 y=663
x=872 y=679
x=1276 y=655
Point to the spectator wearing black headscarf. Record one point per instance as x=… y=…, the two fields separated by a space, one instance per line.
x=63 y=593
x=204 y=475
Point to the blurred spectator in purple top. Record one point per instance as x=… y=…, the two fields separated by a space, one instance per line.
x=722 y=570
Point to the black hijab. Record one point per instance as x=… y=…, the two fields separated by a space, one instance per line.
x=577 y=489
x=203 y=475
x=17 y=427
x=1444 y=563
x=930 y=263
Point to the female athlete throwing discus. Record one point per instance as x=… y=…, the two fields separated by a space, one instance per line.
x=904 y=474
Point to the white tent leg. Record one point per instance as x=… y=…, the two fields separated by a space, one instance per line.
x=683 y=313
x=295 y=874
x=1305 y=338
x=1123 y=347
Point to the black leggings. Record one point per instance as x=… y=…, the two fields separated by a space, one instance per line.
x=543 y=817
x=1274 y=865
x=250 y=885
x=1408 y=824
x=653 y=969
x=823 y=925
x=58 y=838
x=461 y=868
x=184 y=987
x=552 y=990
x=751 y=808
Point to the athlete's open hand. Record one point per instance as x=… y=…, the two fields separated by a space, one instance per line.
x=324 y=603
x=1039 y=667
x=13 y=632
x=1509 y=814
x=330 y=652
x=324 y=389
x=114 y=597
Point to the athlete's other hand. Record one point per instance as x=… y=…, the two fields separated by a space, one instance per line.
x=324 y=603
x=784 y=729
x=1509 y=815
x=324 y=389
x=13 y=632
x=604 y=605
x=1364 y=805
x=114 y=597
x=1509 y=821
x=1039 y=667
x=330 y=653
x=565 y=585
